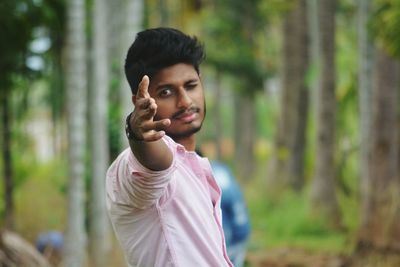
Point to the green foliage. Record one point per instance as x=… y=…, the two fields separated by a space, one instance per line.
x=23 y=22
x=347 y=109
x=287 y=222
x=276 y=8
x=346 y=11
x=240 y=42
x=23 y=163
x=231 y=31
x=114 y=130
x=18 y=18
x=53 y=28
x=385 y=25
x=266 y=110
x=114 y=114
x=41 y=200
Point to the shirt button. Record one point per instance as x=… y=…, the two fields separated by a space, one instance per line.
x=181 y=150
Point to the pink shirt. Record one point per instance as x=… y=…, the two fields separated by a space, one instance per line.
x=170 y=217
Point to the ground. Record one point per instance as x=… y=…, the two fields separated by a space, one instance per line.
x=294 y=257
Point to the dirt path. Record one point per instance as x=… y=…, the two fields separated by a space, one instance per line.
x=289 y=257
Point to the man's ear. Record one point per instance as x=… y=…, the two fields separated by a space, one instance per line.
x=134 y=99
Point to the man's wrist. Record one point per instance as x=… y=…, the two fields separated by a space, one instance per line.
x=128 y=130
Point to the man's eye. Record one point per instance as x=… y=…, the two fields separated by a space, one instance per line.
x=191 y=86
x=165 y=92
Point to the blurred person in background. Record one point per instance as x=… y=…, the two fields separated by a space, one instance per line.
x=50 y=244
x=235 y=218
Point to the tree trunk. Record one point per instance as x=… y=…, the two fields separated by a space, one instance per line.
x=56 y=99
x=287 y=164
x=244 y=136
x=163 y=13
x=323 y=194
x=297 y=159
x=75 y=239
x=7 y=161
x=15 y=251
x=132 y=24
x=99 y=224
x=245 y=111
x=364 y=87
x=380 y=228
x=218 y=133
x=313 y=25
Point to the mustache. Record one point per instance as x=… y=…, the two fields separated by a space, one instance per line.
x=189 y=110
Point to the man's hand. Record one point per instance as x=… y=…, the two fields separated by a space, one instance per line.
x=142 y=123
x=146 y=143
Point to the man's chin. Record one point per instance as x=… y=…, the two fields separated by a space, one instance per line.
x=184 y=134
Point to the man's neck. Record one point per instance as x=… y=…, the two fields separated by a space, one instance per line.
x=188 y=142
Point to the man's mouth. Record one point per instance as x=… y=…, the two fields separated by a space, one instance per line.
x=186 y=115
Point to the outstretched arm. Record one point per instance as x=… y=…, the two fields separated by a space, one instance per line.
x=146 y=143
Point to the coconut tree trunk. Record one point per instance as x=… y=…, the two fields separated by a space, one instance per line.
x=76 y=83
x=313 y=25
x=217 y=115
x=100 y=245
x=132 y=23
x=245 y=119
x=163 y=12
x=287 y=164
x=244 y=136
x=323 y=194
x=364 y=87
x=380 y=228
x=15 y=251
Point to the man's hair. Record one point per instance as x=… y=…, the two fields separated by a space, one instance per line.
x=158 y=48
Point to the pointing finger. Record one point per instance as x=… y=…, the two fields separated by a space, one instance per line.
x=143 y=90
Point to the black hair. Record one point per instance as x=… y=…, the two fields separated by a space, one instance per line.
x=155 y=49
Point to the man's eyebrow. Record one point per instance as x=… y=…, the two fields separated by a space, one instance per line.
x=192 y=80
x=163 y=85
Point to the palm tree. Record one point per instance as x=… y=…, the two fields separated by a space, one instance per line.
x=380 y=228
x=323 y=195
x=76 y=83
x=99 y=224
x=287 y=165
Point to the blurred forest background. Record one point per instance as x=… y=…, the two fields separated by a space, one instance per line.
x=303 y=104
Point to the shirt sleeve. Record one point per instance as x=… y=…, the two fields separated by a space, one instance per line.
x=137 y=185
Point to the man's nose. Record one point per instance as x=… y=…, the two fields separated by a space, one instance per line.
x=184 y=100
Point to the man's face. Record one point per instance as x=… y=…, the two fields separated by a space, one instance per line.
x=179 y=96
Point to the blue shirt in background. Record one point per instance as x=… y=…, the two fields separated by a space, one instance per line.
x=235 y=219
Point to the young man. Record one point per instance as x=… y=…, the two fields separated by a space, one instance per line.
x=163 y=200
